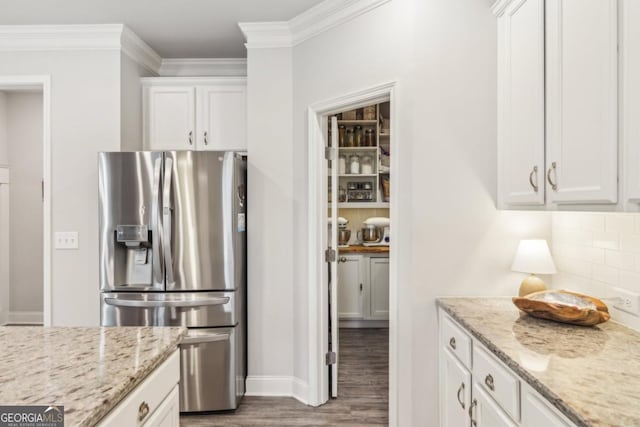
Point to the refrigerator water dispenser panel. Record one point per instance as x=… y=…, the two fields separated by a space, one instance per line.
x=132 y=235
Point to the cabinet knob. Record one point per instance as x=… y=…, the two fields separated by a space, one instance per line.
x=554 y=186
x=191 y=137
x=533 y=184
x=461 y=390
x=488 y=380
x=143 y=410
x=452 y=343
x=206 y=141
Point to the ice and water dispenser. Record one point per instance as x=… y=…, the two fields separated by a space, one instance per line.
x=133 y=255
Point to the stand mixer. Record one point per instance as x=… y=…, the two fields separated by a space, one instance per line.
x=375 y=232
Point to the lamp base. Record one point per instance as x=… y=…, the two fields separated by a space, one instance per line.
x=530 y=285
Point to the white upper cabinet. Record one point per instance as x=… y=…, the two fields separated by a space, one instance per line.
x=183 y=113
x=582 y=111
x=521 y=103
x=222 y=122
x=169 y=117
x=631 y=96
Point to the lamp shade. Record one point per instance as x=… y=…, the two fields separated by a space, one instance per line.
x=533 y=256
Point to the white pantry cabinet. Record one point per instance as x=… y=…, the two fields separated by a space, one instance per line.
x=557 y=102
x=480 y=390
x=183 y=113
x=363 y=287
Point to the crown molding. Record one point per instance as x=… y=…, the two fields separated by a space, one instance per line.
x=308 y=24
x=194 y=81
x=17 y=38
x=266 y=34
x=194 y=67
x=327 y=15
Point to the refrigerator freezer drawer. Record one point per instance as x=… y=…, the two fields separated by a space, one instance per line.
x=170 y=309
x=211 y=370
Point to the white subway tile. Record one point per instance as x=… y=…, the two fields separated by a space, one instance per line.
x=637 y=217
x=593 y=221
x=606 y=240
x=605 y=274
x=620 y=223
x=573 y=266
x=622 y=260
x=630 y=242
x=629 y=280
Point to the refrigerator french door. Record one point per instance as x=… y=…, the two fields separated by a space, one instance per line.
x=172 y=253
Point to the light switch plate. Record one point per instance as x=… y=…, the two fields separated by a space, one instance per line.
x=66 y=239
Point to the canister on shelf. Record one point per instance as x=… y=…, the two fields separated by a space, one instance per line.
x=342 y=164
x=349 y=142
x=341 y=131
x=359 y=137
x=369 y=138
x=354 y=164
x=370 y=112
x=366 y=166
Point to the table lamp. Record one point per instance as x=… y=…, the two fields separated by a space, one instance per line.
x=533 y=257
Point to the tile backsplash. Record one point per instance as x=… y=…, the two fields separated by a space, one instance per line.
x=595 y=252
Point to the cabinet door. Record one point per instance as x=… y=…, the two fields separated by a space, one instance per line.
x=521 y=104
x=169 y=118
x=631 y=96
x=350 y=287
x=582 y=114
x=168 y=413
x=222 y=117
x=379 y=287
x=455 y=391
x=537 y=413
x=486 y=411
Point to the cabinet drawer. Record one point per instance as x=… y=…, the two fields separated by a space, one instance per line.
x=138 y=406
x=453 y=338
x=498 y=381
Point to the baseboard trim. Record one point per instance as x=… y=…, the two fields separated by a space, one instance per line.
x=271 y=385
x=364 y=324
x=25 y=317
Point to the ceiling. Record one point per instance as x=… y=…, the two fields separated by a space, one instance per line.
x=173 y=28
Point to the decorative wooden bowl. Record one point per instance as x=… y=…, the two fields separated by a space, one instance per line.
x=564 y=306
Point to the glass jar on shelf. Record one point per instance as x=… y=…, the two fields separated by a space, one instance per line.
x=369 y=138
x=342 y=164
x=366 y=165
x=354 y=164
x=341 y=135
x=358 y=137
x=349 y=139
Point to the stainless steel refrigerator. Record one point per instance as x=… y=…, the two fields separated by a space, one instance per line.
x=173 y=253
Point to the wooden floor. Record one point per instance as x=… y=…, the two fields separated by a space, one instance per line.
x=363 y=389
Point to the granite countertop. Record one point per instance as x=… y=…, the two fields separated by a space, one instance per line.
x=86 y=370
x=362 y=249
x=591 y=374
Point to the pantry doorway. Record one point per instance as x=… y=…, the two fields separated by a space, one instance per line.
x=323 y=261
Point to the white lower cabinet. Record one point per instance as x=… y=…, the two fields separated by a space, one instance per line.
x=363 y=287
x=153 y=403
x=481 y=391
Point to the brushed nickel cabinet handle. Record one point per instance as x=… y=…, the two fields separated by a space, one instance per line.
x=190 y=137
x=474 y=403
x=488 y=380
x=461 y=390
x=452 y=343
x=360 y=287
x=143 y=410
x=553 y=185
x=534 y=171
x=206 y=142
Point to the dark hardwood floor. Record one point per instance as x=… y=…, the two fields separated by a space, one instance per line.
x=363 y=389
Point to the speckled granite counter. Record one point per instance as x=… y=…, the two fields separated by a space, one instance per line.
x=591 y=374
x=88 y=370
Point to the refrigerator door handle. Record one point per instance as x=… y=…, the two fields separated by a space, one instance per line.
x=201 y=339
x=167 y=218
x=164 y=304
x=155 y=226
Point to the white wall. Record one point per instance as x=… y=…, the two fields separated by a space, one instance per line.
x=85 y=119
x=4 y=156
x=595 y=252
x=271 y=247
x=131 y=96
x=453 y=241
x=4 y=214
x=24 y=147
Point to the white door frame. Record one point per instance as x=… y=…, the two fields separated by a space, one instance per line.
x=317 y=226
x=41 y=83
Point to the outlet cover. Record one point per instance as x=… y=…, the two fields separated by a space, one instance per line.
x=626 y=301
x=66 y=240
